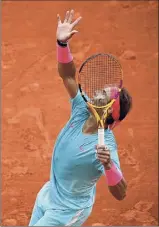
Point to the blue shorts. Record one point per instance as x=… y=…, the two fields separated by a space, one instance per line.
x=43 y=215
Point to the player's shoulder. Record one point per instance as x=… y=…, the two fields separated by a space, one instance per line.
x=78 y=104
x=79 y=110
x=77 y=99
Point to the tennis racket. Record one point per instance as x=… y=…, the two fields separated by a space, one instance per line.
x=97 y=77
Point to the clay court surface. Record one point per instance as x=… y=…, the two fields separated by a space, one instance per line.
x=35 y=104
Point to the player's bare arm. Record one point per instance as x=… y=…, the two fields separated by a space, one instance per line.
x=67 y=69
x=118 y=190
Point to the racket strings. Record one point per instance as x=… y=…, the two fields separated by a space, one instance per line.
x=97 y=74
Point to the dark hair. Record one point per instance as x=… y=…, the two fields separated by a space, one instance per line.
x=125 y=106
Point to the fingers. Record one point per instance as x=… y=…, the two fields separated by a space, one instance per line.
x=103 y=160
x=73 y=32
x=102 y=152
x=58 y=19
x=67 y=16
x=102 y=156
x=104 y=147
x=76 y=21
x=71 y=16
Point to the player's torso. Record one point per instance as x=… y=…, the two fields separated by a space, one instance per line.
x=75 y=157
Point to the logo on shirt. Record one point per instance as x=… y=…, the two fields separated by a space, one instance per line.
x=81 y=148
x=71 y=125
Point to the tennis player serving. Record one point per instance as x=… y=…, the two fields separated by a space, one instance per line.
x=85 y=148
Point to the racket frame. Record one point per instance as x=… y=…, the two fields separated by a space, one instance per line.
x=100 y=120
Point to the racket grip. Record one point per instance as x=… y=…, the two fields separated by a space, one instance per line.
x=101 y=136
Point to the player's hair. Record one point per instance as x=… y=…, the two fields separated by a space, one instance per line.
x=125 y=106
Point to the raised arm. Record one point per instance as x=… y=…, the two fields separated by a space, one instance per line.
x=66 y=66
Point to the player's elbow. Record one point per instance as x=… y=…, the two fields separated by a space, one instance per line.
x=120 y=197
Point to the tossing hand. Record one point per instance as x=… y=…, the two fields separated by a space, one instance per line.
x=65 y=30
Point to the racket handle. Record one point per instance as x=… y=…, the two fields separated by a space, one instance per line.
x=101 y=136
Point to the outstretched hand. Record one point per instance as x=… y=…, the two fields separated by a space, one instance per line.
x=65 y=30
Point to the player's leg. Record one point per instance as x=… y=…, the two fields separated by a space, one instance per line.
x=50 y=218
x=40 y=204
x=64 y=217
x=37 y=214
x=79 y=217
